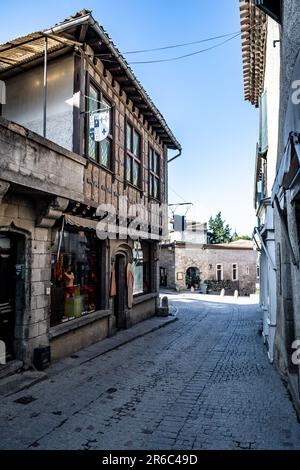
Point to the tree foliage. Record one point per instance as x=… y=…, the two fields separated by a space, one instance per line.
x=218 y=231
x=242 y=237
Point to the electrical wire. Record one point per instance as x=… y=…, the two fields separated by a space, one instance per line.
x=177 y=194
x=185 y=55
x=182 y=44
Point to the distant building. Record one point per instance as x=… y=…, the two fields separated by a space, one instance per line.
x=194 y=232
x=229 y=266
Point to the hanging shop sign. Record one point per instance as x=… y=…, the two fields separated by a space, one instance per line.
x=99 y=124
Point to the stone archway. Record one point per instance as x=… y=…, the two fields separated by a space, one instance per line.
x=192 y=277
x=122 y=255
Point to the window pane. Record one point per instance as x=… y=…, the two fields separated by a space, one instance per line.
x=75 y=277
x=105 y=153
x=151 y=185
x=136 y=173
x=151 y=159
x=156 y=164
x=93 y=105
x=128 y=168
x=105 y=105
x=138 y=278
x=156 y=188
x=128 y=137
x=93 y=99
x=136 y=144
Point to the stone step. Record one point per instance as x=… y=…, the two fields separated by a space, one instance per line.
x=10 y=368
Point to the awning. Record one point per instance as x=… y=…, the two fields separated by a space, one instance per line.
x=288 y=165
x=16 y=54
x=80 y=222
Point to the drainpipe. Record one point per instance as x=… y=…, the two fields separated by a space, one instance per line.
x=176 y=156
x=45 y=87
x=265 y=248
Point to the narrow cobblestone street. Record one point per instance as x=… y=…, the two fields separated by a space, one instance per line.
x=203 y=382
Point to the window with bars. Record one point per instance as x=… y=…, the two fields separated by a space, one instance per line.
x=154 y=173
x=101 y=152
x=133 y=155
x=234 y=272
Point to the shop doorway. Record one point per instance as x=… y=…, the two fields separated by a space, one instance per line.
x=120 y=298
x=12 y=271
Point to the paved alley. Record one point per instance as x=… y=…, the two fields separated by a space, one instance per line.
x=203 y=382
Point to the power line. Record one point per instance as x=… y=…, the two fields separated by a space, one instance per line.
x=181 y=45
x=186 y=55
x=177 y=194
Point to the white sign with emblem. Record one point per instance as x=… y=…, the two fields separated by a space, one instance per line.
x=100 y=124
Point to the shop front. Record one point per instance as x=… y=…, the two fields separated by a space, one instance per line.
x=75 y=275
x=97 y=286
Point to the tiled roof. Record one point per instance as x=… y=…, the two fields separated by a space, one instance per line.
x=253 y=28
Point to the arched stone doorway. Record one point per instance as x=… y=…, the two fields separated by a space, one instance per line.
x=122 y=256
x=192 y=277
x=12 y=288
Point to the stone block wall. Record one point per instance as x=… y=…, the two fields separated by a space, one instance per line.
x=205 y=258
x=18 y=216
x=167 y=261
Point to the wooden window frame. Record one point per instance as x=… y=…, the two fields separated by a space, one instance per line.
x=152 y=174
x=129 y=153
x=222 y=272
x=90 y=81
x=236 y=269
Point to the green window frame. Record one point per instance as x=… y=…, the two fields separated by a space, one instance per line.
x=133 y=156
x=101 y=152
x=154 y=173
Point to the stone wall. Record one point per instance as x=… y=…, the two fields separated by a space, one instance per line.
x=288 y=275
x=167 y=261
x=18 y=216
x=205 y=258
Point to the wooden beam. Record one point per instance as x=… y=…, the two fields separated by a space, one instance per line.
x=83 y=32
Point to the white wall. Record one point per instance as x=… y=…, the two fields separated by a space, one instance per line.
x=272 y=87
x=25 y=100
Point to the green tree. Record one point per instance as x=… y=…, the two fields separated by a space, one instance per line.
x=242 y=237
x=218 y=231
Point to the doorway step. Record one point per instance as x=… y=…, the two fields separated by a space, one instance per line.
x=10 y=368
x=17 y=382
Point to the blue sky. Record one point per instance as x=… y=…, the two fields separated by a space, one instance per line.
x=201 y=97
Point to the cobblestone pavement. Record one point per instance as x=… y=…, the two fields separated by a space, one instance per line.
x=203 y=382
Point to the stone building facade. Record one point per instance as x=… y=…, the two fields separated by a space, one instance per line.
x=286 y=201
x=283 y=204
x=262 y=90
x=64 y=283
x=231 y=266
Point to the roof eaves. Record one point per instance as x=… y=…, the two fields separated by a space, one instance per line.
x=105 y=38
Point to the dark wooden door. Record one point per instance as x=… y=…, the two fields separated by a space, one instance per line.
x=7 y=293
x=120 y=299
